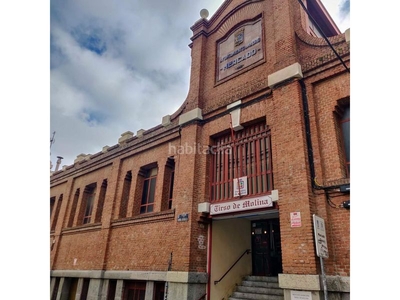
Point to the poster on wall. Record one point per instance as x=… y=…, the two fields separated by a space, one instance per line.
x=295 y=219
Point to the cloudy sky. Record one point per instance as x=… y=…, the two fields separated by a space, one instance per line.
x=118 y=66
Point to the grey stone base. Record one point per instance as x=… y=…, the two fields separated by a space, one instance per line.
x=181 y=285
x=338 y=287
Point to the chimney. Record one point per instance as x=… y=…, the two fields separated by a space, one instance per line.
x=58 y=162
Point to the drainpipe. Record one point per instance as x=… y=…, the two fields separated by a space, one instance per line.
x=308 y=133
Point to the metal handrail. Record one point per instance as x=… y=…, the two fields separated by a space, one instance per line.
x=245 y=252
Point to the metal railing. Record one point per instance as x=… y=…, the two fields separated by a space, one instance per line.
x=245 y=252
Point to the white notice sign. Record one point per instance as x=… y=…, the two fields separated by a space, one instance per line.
x=321 y=244
x=300 y=295
x=240 y=186
x=295 y=219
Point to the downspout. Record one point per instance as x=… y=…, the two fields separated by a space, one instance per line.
x=209 y=260
x=310 y=152
x=308 y=133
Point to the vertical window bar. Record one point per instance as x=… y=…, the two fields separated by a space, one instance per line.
x=268 y=161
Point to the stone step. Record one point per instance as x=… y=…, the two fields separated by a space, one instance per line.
x=259 y=290
x=248 y=296
x=262 y=278
x=264 y=284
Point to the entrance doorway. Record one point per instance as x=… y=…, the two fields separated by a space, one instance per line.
x=266 y=247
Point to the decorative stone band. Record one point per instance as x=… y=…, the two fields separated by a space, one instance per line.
x=292 y=71
x=194 y=114
x=314 y=283
x=171 y=276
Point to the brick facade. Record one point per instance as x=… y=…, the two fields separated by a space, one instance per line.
x=174 y=245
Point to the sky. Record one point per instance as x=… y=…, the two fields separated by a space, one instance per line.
x=118 y=66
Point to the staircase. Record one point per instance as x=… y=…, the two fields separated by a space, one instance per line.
x=258 y=287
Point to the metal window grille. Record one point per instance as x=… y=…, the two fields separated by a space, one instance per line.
x=248 y=154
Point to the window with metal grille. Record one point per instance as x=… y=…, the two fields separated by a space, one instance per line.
x=134 y=290
x=159 y=290
x=243 y=154
x=149 y=190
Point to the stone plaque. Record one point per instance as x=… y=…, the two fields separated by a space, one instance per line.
x=239 y=50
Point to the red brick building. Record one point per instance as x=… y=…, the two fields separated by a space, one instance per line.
x=227 y=186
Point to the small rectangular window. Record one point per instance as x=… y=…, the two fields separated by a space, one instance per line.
x=159 y=288
x=171 y=189
x=134 y=290
x=56 y=213
x=112 y=287
x=102 y=196
x=342 y=117
x=52 y=201
x=73 y=208
x=88 y=201
x=345 y=127
x=85 y=289
x=123 y=209
x=55 y=289
x=149 y=190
